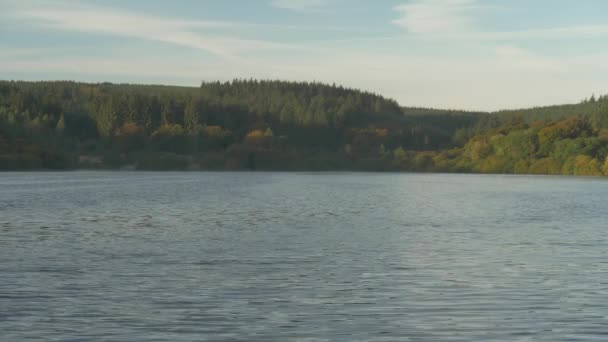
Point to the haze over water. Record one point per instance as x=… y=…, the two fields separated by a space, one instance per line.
x=302 y=257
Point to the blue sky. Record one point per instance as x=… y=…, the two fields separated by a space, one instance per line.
x=466 y=54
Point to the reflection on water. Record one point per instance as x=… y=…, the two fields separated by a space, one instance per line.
x=302 y=257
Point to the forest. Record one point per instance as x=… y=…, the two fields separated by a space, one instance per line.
x=278 y=125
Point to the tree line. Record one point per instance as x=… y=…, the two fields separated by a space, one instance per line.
x=278 y=125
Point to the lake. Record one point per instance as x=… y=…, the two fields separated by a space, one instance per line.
x=135 y=256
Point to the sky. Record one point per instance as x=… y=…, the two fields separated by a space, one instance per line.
x=457 y=54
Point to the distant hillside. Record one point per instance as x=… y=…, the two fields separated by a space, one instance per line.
x=593 y=109
x=276 y=125
x=121 y=124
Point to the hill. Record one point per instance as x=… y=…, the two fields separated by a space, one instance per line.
x=218 y=125
x=593 y=109
x=276 y=125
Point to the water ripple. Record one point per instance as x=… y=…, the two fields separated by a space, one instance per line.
x=96 y=256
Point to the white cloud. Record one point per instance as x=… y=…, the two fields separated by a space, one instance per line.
x=300 y=5
x=184 y=33
x=455 y=19
x=435 y=16
x=581 y=31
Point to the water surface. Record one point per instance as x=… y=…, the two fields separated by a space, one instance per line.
x=118 y=256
